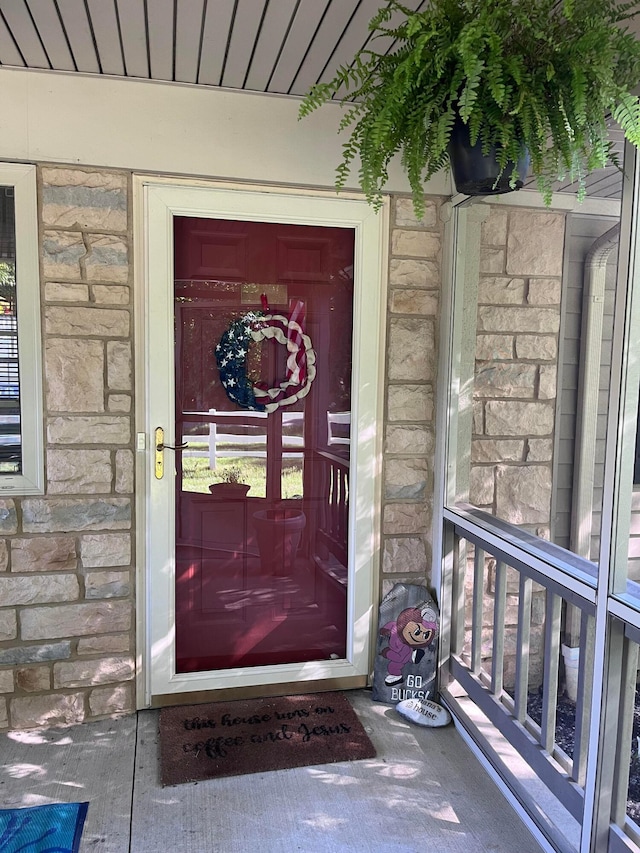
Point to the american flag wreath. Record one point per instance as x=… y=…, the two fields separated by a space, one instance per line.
x=233 y=349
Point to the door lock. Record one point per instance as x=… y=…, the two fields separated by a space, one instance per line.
x=160 y=447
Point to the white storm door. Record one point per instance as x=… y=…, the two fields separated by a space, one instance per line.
x=186 y=569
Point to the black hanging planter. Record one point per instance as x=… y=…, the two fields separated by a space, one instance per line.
x=476 y=173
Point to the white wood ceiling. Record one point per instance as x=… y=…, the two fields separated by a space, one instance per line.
x=277 y=46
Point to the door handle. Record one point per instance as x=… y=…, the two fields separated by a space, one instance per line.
x=160 y=448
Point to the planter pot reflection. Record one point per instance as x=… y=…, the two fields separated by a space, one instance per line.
x=229 y=491
x=278 y=533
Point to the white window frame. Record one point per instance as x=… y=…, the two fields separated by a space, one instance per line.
x=31 y=481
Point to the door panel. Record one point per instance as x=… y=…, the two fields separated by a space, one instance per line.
x=251 y=568
x=270 y=585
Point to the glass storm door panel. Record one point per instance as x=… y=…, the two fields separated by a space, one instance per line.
x=263 y=339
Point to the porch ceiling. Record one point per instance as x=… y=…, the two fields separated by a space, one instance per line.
x=280 y=47
x=277 y=46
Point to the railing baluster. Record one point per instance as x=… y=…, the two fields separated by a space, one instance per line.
x=625 y=730
x=477 y=615
x=499 y=612
x=585 y=685
x=522 y=647
x=457 y=595
x=551 y=657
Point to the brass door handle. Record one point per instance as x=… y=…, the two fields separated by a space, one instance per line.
x=160 y=446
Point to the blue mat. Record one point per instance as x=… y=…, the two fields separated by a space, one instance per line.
x=56 y=828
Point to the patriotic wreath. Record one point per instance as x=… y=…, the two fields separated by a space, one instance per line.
x=233 y=349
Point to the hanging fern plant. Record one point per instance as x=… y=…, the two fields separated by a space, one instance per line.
x=536 y=76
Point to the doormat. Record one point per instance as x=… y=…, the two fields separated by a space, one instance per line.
x=251 y=736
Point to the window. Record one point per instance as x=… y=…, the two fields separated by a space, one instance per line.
x=21 y=445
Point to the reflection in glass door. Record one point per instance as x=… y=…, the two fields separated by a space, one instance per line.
x=263 y=334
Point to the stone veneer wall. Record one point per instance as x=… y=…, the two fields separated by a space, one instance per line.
x=518 y=321
x=411 y=365
x=66 y=576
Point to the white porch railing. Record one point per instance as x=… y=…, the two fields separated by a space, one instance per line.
x=497 y=573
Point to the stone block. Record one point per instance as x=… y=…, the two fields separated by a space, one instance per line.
x=104 y=701
x=505 y=380
x=74 y=373
x=107 y=258
x=106 y=550
x=62 y=254
x=418 y=302
x=63 y=709
x=8 y=625
x=498 y=290
x=75 y=620
x=85 y=322
x=6 y=681
x=119 y=366
x=491 y=260
x=494 y=347
x=97 y=429
x=525 y=319
x=38 y=589
x=4 y=714
x=106 y=643
x=19 y=655
x=537 y=347
x=406 y=478
x=64 y=176
x=51 y=553
x=61 y=515
x=404 y=555
x=33 y=679
x=408 y=272
x=8 y=518
x=79 y=472
x=496 y=450
x=523 y=494
x=415 y=244
x=411 y=350
x=477 y=417
x=92 y=201
x=111 y=294
x=409 y=439
x=494 y=228
x=544 y=291
x=539 y=450
x=107 y=585
x=4 y=555
x=547 y=382
x=535 y=244
x=124 y=472
x=86 y=673
x=405 y=214
x=511 y=417
x=406 y=518
x=389 y=583
x=119 y=403
x=410 y=403
x=60 y=291
x=481 y=486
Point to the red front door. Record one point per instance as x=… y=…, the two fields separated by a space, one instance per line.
x=263 y=339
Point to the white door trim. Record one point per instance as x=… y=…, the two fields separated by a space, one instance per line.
x=155 y=203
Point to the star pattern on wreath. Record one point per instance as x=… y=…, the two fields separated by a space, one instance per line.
x=233 y=348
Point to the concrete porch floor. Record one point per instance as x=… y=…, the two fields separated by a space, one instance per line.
x=424 y=791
